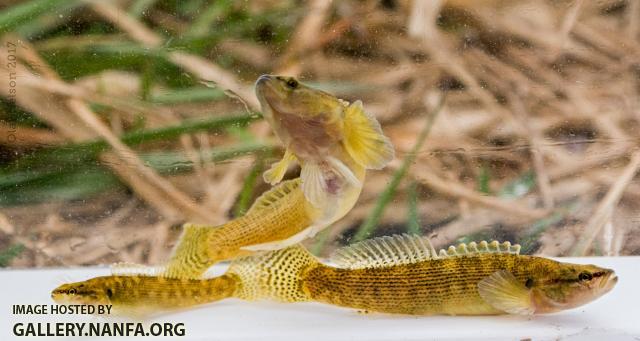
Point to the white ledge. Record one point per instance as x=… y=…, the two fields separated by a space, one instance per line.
x=616 y=316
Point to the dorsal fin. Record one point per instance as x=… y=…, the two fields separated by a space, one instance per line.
x=135 y=269
x=270 y=197
x=385 y=251
x=481 y=247
x=407 y=249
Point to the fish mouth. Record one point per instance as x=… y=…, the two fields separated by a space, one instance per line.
x=609 y=282
x=263 y=79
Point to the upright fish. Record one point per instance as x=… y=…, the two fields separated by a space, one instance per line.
x=333 y=141
x=401 y=274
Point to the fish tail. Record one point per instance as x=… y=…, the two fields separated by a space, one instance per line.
x=192 y=256
x=274 y=275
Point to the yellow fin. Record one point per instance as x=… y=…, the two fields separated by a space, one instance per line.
x=481 y=247
x=385 y=251
x=309 y=232
x=364 y=139
x=278 y=169
x=270 y=197
x=190 y=258
x=502 y=291
x=273 y=275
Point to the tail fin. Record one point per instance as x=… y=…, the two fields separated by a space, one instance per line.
x=191 y=257
x=274 y=275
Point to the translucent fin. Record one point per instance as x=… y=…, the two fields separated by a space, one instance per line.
x=135 y=269
x=407 y=249
x=273 y=275
x=309 y=232
x=343 y=171
x=482 y=247
x=385 y=251
x=502 y=291
x=275 y=174
x=313 y=184
x=270 y=197
x=190 y=258
x=364 y=139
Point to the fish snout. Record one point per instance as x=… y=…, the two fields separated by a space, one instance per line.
x=263 y=79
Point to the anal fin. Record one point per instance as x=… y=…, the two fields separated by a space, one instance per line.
x=309 y=232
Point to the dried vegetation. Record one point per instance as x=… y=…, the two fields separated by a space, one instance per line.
x=132 y=117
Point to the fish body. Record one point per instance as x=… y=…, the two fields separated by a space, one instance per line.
x=145 y=294
x=334 y=142
x=277 y=215
x=404 y=275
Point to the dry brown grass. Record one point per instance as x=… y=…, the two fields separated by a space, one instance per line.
x=549 y=87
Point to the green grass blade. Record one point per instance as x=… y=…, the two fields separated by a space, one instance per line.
x=244 y=199
x=138 y=7
x=16 y=15
x=73 y=153
x=321 y=240
x=189 y=95
x=8 y=254
x=413 y=223
x=386 y=196
x=73 y=183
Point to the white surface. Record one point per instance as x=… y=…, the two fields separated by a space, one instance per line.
x=616 y=316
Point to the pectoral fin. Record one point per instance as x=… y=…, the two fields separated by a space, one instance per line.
x=275 y=174
x=313 y=184
x=318 y=181
x=364 y=139
x=502 y=291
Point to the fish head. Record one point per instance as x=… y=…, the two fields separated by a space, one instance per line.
x=564 y=286
x=308 y=121
x=286 y=96
x=91 y=292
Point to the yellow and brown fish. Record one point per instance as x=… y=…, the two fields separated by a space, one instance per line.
x=334 y=142
x=400 y=274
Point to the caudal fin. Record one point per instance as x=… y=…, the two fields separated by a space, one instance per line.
x=191 y=257
x=273 y=275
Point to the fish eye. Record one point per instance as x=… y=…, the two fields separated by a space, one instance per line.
x=292 y=83
x=109 y=292
x=585 y=276
x=72 y=291
x=528 y=283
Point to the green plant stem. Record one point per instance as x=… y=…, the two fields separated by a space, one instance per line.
x=16 y=15
x=413 y=224
x=386 y=196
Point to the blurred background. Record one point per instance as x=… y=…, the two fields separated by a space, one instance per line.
x=512 y=120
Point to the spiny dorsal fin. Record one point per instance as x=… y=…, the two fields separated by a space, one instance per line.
x=272 y=196
x=482 y=247
x=407 y=249
x=135 y=269
x=385 y=251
